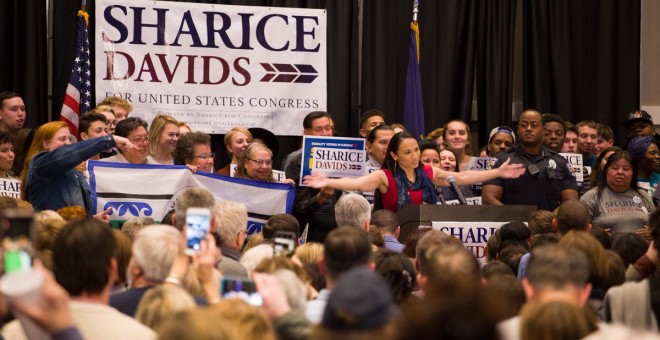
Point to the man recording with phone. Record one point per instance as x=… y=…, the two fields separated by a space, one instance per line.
x=547 y=181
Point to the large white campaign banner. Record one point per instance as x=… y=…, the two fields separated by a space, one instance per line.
x=144 y=190
x=213 y=66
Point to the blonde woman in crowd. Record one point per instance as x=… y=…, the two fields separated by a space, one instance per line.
x=160 y=302
x=456 y=135
x=163 y=135
x=236 y=141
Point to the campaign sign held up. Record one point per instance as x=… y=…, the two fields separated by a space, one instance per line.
x=333 y=156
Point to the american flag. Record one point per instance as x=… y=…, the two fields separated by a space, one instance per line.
x=78 y=93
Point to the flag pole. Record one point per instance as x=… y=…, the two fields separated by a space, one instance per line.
x=415 y=10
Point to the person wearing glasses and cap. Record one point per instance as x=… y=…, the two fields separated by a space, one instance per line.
x=501 y=138
x=547 y=180
x=640 y=123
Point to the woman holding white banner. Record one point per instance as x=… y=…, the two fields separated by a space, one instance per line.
x=404 y=180
x=236 y=141
x=194 y=150
x=49 y=179
x=163 y=135
x=257 y=164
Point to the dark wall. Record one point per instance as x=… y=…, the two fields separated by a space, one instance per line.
x=575 y=67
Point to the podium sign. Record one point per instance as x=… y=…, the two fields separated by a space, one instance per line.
x=472 y=224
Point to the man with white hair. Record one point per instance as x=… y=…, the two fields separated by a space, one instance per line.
x=192 y=198
x=154 y=250
x=353 y=210
x=231 y=221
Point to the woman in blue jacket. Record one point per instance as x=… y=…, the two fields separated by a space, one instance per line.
x=49 y=179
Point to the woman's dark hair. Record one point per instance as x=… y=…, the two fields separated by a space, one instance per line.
x=630 y=247
x=596 y=170
x=602 y=179
x=6 y=137
x=398 y=271
x=185 y=146
x=410 y=245
x=317 y=280
x=494 y=268
x=602 y=236
x=397 y=139
x=456 y=168
x=427 y=144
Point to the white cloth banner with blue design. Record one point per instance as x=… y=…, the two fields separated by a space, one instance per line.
x=134 y=190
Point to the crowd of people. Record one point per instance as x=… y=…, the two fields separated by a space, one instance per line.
x=583 y=266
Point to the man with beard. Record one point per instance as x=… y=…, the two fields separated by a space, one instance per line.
x=547 y=181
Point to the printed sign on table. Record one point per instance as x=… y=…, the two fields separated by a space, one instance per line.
x=474 y=235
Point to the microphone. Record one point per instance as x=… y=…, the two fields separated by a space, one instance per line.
x=454 y=187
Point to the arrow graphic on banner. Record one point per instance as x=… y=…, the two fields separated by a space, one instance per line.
x=289 y=73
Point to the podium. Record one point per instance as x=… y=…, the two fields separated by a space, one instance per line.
x=413 y=216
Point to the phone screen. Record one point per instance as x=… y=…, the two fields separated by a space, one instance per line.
x=236 y=287
x=198 y=224
x=18 y=235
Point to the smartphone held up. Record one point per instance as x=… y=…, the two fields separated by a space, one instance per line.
x=198 y=225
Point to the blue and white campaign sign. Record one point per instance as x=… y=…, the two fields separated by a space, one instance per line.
x=474 y=235
x=213 y=66
x=133 y=190
x=333 y=156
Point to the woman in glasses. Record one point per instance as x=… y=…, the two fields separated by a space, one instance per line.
x=194 y=150
x=257 y=164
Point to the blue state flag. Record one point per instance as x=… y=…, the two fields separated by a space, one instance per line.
x=413 y=106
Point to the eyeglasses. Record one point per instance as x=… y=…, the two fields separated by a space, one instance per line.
x=261 y=162
x=139 y=140
x=204 y=156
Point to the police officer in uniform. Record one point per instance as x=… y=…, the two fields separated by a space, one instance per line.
x=547 y=181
